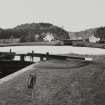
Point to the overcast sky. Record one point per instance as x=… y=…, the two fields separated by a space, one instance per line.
x=74 y=15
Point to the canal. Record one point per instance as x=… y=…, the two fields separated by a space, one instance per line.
x=54 y=50
x=8 y=67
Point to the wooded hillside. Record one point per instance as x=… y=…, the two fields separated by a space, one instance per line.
x=34 y=32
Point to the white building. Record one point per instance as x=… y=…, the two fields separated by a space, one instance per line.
x=93 y=39
x=49 y=37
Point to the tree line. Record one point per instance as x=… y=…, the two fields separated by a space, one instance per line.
x=33 y=32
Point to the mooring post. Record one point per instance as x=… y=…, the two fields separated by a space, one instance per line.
x=22 y=56
x=10 y=50
x=41 y=58
x=47 y=55
x=32 y=55
x=31 y=83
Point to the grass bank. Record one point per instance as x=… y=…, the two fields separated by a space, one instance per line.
x=72 y=82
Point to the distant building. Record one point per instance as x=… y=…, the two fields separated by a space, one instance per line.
x=49 y=37
x=93 y=39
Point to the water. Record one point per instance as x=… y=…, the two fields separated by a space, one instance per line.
x=54 y=50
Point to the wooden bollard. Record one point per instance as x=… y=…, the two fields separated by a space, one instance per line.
x=47 y=57
x=32 y=56
x=41 y=58
x=10 y=50
x=22 y=57
x=31 y=83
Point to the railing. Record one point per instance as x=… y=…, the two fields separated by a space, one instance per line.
x=43 y=56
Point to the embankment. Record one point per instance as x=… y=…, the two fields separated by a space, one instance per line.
x=72 y=82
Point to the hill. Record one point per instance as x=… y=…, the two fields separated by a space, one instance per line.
x=98 y=32
x=33 y=32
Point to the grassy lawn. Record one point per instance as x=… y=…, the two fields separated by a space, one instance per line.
x=71 y=82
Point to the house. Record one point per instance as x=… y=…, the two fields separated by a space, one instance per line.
x=93 y=39
x=49 y=37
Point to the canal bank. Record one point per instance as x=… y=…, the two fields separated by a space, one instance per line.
x=58 y=82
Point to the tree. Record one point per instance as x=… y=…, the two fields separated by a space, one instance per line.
x=11 y=38
x=100 y=32
x=30 y=37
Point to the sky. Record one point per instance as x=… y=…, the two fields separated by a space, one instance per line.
x=72 y=15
